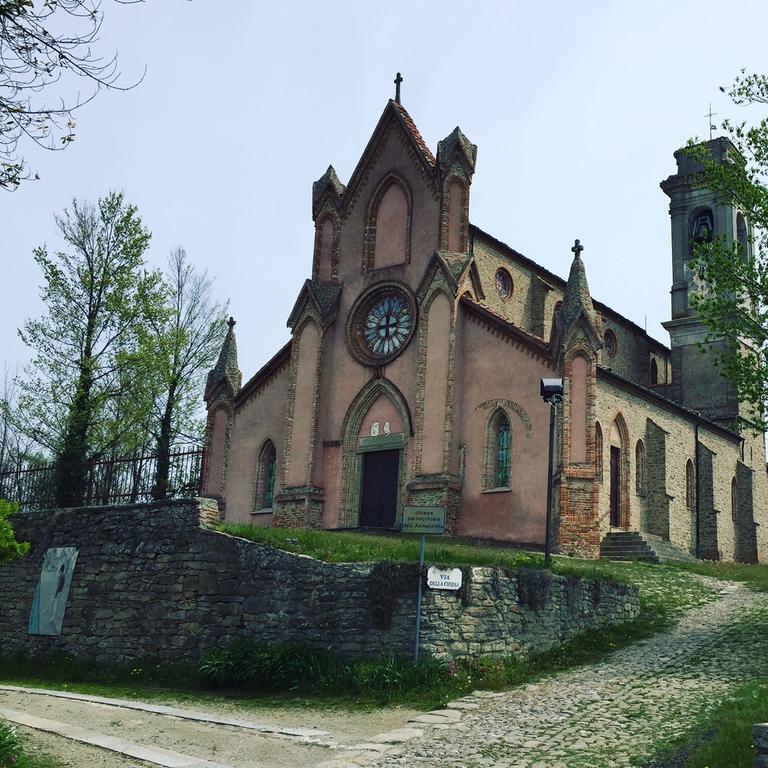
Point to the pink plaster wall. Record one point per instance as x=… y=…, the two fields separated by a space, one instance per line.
x=342 y=377
x=391 y=228
x=578 y=409
x=493 y=369
x=436 y=384
x=259 y=418
x=331 y=481
x=381 y=412
x=303 y=410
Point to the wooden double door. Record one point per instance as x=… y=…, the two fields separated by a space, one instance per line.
x=379 y=489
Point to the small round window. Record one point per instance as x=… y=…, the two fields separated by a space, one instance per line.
x=610 y=344
x=504 y=284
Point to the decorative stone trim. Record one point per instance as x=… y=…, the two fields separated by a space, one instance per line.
x=369 y=236
x=357 y=318
x=510 y=406
x=328 y=213
x=427 y=295
x=455 y=176
x=351 y=475
x=313 y=513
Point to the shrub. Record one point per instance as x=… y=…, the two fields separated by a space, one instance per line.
x=10 y=745
x=10 y=549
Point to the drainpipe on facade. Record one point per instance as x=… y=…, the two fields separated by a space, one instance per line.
x=698 y=495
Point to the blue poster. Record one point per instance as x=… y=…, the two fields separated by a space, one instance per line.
x=52 y=591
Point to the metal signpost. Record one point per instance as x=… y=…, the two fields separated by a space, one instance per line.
x=552 y=393
x=423 y=520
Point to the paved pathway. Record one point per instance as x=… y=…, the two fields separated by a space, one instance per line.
x=600 y=716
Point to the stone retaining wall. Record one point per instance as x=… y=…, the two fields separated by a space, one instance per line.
x=152 y=582
x=760 y=740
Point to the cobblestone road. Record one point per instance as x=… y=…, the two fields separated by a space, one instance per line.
x=604 y=715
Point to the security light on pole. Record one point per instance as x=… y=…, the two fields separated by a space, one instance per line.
x=552 y=393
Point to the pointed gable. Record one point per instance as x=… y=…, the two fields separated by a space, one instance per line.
x=394 y=117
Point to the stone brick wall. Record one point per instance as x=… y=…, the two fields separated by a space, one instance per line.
x=760 y=740
x=665 y=475
x=150 y=581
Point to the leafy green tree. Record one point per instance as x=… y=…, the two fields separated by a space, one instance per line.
x=43 y=43
x=733 y=302
x=10 y=549
x=177 y=350
x=98 y=295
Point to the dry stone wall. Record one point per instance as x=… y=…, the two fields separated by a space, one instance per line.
x=152 y=582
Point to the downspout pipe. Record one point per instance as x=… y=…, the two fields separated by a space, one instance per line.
x=698 y=494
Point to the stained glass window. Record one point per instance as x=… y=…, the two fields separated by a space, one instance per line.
x=502 y=453
x=269 y=484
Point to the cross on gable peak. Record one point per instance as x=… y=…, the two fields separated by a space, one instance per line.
x=231 y=322
x=577 y=248
x=398 y=79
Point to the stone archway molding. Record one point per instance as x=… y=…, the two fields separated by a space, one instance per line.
x=359 y=407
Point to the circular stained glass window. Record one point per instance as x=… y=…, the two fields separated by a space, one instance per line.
x=381 y=323
x=610 y=344
x=504 y=283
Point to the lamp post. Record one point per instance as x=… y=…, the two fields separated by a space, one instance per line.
x=552 y=393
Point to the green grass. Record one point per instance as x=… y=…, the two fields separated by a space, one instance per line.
x=664 y=590
x=754 y=576
x=14 y=752
x=723 y=739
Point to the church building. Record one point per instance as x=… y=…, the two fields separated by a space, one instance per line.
x=412 y=378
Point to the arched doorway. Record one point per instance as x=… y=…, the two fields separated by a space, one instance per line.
x=619 y=474
x=376 y=431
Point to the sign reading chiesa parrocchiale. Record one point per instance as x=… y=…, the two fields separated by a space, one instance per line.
x=428 y=520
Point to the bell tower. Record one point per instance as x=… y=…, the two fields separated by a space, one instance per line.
x=698 y=216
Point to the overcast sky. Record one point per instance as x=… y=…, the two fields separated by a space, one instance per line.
x=576 y=108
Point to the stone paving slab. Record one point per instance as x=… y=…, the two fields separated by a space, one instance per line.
x=607 y=714
x=311 y=735
x=154 y=755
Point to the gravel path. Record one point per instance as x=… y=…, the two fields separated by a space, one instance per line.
x=613 y=712
x=233 y=746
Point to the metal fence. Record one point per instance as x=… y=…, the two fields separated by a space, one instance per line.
x=110 y=481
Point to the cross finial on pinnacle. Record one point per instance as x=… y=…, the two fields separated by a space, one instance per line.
x=397 y=81
x=577 y=248
x=231 y=322
x=710 y=115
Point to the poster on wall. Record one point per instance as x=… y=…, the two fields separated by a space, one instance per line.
x=52 y=592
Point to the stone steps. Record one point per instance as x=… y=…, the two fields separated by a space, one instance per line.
x=646 y=547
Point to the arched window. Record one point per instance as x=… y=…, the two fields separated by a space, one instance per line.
x=690 y=485
x=502 y=453
x=388 y=231
x=654 y=374
x=742 y=237
x=702 y=226
x=265 y=477
x=598 y=453
x=640 y=468
x=498 y=452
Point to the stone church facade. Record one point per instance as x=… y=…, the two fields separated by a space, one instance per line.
x=412 y=377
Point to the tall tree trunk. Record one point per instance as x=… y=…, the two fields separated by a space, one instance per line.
x=160 y=489
x=72 y=463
